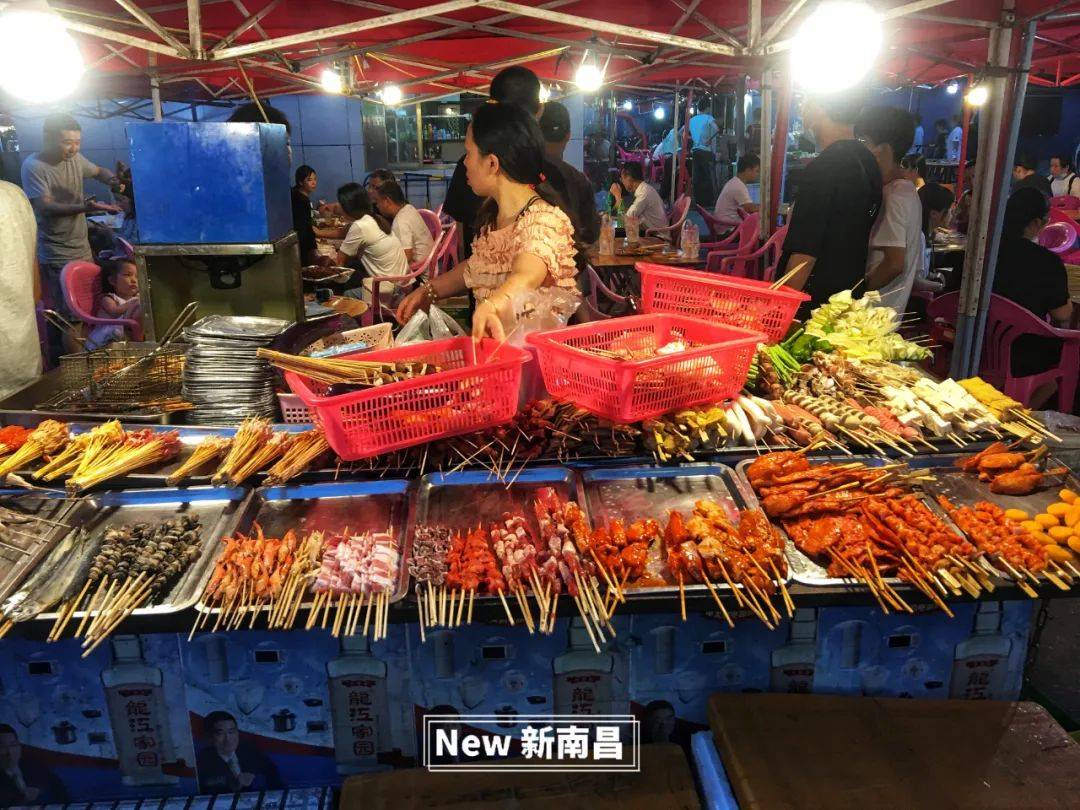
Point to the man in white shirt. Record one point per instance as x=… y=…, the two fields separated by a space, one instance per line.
x=405 y=221
x=380 y=253
x=646 y=204
x=20 y=353
x=896 y=238
x=952 y=145
x=1063 y=180
x=735 y=196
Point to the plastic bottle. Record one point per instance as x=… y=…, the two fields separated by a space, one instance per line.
x=584 y=678
x=138 y=715
x=359 y=706
x=690 y=239
x=793 y=664
x=607 y=236
x=981 y=661
x=633 y=230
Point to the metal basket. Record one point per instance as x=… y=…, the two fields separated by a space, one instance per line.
x=115 y=376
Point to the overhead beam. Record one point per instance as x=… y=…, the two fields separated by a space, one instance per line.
x=123 y=39
x=722 y=33
x=344 y=30
x=687 y=13
x=782 y=20
x=753 y=34
x=942 y=18
x=609 y=28
x=911 y=8
x=938 y=58
x=245 y=26
x=194 y=20
x=1047 y=13
x=151 y=24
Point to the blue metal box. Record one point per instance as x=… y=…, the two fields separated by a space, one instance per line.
x=210 y=183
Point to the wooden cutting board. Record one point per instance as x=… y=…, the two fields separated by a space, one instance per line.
x=825 y=751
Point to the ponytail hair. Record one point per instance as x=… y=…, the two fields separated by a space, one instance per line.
x=512 y=135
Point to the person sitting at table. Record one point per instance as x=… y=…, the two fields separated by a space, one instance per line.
x=936 y=201
x=735 y=196
x=379 y=253
x=1025 y=176
x=119 y=299
x=406 y=224
x=1034 y=278
x=525 y=231
x=1063 y=180
x=645 y=202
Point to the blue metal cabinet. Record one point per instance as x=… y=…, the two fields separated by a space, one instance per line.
x=205 y=183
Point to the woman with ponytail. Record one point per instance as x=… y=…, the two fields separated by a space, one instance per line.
x=525 y=237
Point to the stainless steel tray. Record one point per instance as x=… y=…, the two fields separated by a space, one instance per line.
x=36 y=539
x=633 y=493
x=219 y=509
x=462 y=500
x=331 y=507
x=803 y=569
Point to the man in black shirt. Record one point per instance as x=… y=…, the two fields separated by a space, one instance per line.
x=513 y=85
x=1025 y=176
x=555 y=124
x=836 y=204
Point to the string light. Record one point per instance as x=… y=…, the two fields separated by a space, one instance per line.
x=39 y=60
x=822 y=60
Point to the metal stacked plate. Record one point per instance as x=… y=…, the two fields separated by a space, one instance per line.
x=223 y=378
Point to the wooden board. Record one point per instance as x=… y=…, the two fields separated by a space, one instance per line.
x=825 y=751
x=664 y=782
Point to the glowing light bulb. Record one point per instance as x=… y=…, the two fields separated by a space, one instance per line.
x=39 y=61
x=628 y=105
x=331 y=81
x=952 y=88
x=977 y=95
x=391 y=94
x=836 y=46
x=545 y=94
x=659 y=113
x=589 y=77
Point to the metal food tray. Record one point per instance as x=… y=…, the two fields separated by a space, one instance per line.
x=218 y=508
x=803 y=569
x=462 y=500
x=16 y=566
x=633 y=493
x=330 y=507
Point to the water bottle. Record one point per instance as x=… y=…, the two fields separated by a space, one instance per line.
x=607 y=236
x=633 y=229
x=689 y=241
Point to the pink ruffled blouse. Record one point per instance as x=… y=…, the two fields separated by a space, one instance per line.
x=543 y=231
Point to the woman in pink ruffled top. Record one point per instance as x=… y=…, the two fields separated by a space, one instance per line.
x=525 y=239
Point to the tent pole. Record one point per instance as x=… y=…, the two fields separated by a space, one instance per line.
x=965 y=130
x=765 y=146
x=779 y=151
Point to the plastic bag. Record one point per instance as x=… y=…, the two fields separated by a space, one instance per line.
x=541 y=309
x=431 y=325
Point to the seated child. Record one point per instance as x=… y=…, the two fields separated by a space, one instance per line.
x=119 y=299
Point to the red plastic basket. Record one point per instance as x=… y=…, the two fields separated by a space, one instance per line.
x=477 y=388
x=742 y=302
x=712 y=368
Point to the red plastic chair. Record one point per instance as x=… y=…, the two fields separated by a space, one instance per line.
x=717 y=230
x=676 y=218
x=431 y=219
x=1065 y=201
x=81 y=283
x=596 y=285
x=1005 y=322
x=941 y=315
x=758 y=264
x=742 y=241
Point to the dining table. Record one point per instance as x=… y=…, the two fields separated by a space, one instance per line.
x=617 y=271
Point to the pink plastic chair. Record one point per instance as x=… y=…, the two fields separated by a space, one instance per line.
x=717 y=230
x=431 y=219
x=941 y=315
x=1005 y=322
x=446 y=258
x=374 y=314
x=1059 y=237
x=759 y=264
x=596 y=285
x=81 y=283
x=742 y=241
x=676 y=218
x=1065 y=201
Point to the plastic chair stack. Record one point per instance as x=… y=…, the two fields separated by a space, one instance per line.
x=758 y=264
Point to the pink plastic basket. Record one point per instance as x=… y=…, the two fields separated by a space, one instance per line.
x=476 y=388
x=742 y=302
x=713 y=367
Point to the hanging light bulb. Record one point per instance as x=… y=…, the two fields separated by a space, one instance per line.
x=545 y=94
x=822 y=61
x=390 y=94
x=331 y=81
x=628 y=105
x=952 y=88
x=589 y=77
x=659 y=113
x=39 y=60
x=977 y=95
